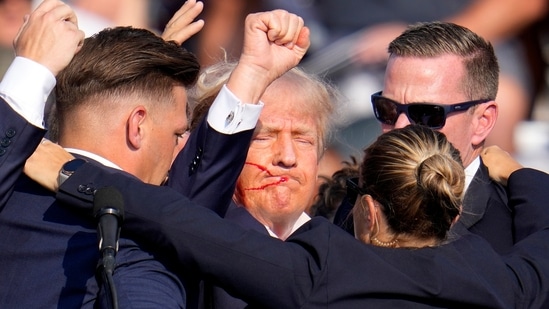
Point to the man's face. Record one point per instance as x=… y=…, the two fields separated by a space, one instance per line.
x=168 y=125
x=432 y=80
x=279 y=178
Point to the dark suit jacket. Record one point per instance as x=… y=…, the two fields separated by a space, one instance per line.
x=48 y=254
x=206 y=172
x=485 y=212
x=214 y=296
x=321 y=266
x=18 y=139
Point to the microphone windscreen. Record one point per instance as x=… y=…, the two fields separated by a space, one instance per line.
x=108 y=197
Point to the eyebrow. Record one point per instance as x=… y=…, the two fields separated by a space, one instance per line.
x=427 y=102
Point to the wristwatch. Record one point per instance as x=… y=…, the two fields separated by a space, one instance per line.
x=68 y=169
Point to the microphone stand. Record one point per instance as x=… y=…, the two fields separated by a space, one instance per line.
x=108 y=207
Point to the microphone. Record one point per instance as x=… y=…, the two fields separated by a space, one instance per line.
x=108 y=209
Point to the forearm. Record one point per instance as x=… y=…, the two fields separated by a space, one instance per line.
x=238 y=260
x=209 y=165
x=499 y=19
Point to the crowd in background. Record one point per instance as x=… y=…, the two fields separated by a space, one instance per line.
x=338 y=28
x=333 y=139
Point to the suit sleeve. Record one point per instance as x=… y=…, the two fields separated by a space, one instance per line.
x=209 y=165
x=320 y=264
x=528 y=197
x=203 y=243
x=18 y=140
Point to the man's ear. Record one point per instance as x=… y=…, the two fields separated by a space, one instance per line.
x=486 y=115
x=135 y=126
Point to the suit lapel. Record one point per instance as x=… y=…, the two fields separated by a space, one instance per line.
x=475 y=202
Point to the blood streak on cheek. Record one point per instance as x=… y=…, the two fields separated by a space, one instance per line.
x=260 y=167
x=264 y=169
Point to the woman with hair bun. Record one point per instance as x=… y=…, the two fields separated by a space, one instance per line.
x=410 y=189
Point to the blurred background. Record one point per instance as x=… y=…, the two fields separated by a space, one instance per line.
x=349 y=41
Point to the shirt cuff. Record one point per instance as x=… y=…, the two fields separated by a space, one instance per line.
x=26 y=87
x=228 y=115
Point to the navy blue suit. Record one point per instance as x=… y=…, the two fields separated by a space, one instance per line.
x=48 y=253
x=214 y=296
x=322 y=266
x=18 y=139
x=206 y=173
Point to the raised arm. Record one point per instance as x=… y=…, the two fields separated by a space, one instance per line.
x=45 y=44
x=214 y=155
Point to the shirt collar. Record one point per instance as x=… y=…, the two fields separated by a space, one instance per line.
x=93 y=156
x=303 y=218
x=470 y=172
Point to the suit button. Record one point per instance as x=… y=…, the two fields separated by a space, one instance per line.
x=2 y=151
x=5 y=142
x=10 y=133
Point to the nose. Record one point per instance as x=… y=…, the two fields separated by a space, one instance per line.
x=402 y=121
x=284 y=152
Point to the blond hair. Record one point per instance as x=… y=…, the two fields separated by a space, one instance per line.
x=418 y=177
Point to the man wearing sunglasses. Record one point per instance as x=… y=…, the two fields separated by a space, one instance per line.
x=446 y=77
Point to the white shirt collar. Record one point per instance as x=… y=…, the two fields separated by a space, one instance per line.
x=93 y=156
x=303 y=218
x=470 y=171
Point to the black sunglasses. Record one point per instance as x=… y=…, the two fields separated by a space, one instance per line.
x=430 y=115
x=353 y=190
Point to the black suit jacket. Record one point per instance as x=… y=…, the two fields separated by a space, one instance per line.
x=48 y=254
x=485 y=212
x=321 y=266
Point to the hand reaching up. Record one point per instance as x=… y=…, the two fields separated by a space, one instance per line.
x=50 y=36
x=182 y=25
x=500 y=163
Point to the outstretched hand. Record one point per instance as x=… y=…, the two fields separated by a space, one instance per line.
x=500 y=163
x=45 y=163
x=182 y=25
x=274 y=42
x=50 y=36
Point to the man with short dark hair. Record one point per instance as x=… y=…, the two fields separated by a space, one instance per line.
x=121 y=103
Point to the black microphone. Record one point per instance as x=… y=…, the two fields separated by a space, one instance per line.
x=108 y=209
